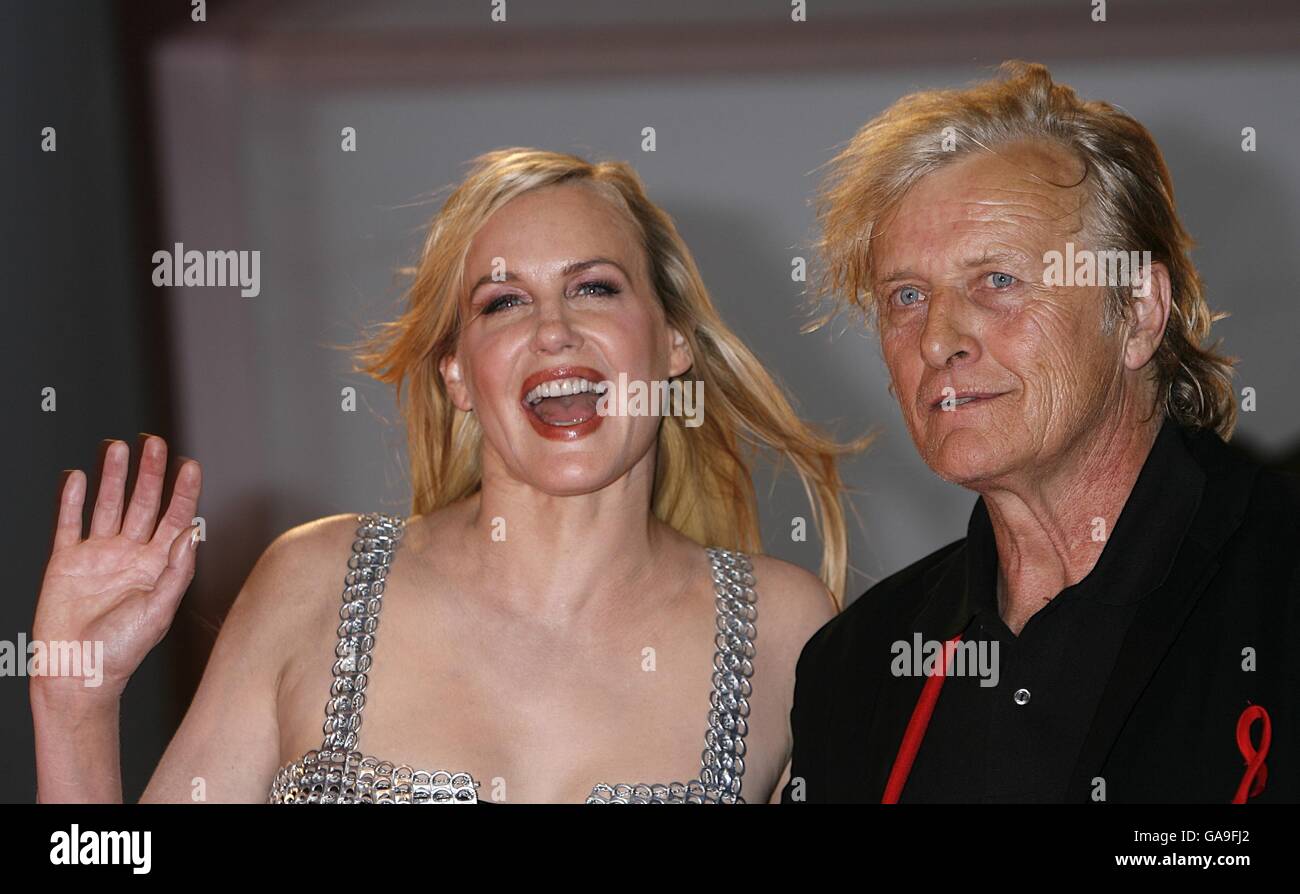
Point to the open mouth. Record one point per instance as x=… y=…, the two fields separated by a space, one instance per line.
x=561 y=402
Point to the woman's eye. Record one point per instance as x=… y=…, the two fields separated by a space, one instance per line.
x=908 y=295
x=597 y=287
x=501 y=302
x=1001 y=280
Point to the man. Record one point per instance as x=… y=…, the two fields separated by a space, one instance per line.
x=1119 y=623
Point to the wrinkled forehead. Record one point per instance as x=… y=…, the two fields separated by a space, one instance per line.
x=1026 y=195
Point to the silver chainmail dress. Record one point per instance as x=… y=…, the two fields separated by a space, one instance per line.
x=338 y=773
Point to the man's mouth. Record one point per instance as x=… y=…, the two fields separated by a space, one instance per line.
x=561 y=402
x=952 y=401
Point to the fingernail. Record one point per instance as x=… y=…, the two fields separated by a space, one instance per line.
x=194 y=537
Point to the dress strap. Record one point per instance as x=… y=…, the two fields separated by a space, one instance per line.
x=378 y=536
x=723 y=761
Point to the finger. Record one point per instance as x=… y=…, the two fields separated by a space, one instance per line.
x=67 y=531
x=183 y=504
x=143 y=511
x=175 y=578
x=107 y=518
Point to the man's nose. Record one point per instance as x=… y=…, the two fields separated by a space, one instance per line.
x=947 y=339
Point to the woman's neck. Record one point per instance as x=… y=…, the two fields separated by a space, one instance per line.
x=558 y=559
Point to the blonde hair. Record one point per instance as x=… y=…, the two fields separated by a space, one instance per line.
x=702 y=486
x=1131 y=207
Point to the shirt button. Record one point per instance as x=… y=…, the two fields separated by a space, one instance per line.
x=1021 y=696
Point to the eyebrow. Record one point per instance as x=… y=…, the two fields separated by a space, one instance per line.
x=895 y=275
x=569 y=269
x=994 y=255
x=988 y=257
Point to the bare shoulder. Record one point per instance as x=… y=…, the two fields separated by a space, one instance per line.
x=793 y=603
x=279 y=611
x=301 y=557
x=311 y=542
x=284 y=594
x=285 y=588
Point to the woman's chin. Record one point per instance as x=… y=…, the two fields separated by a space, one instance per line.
x=573 y=475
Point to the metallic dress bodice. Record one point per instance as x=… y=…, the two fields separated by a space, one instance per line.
x=337 y=773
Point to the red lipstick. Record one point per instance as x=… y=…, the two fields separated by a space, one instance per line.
x=586 y=420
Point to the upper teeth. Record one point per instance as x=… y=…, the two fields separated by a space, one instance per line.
x=962 y=400
x=561 y=387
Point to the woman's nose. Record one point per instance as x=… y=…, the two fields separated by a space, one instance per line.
x=555 y=331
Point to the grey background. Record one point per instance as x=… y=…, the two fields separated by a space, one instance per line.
x=236 y=145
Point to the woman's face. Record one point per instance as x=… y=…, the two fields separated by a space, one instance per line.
x=557 y=300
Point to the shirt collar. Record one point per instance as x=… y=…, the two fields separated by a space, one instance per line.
x=1138 y=555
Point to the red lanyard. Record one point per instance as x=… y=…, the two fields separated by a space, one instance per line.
x=916 y=727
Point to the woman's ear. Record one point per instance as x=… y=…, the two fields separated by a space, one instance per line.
x=449 y=366
x=680 y=357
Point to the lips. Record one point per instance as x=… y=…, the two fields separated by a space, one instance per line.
x=560 y=403
x=962 y=398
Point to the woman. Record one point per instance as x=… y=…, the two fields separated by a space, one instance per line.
x=548 y=611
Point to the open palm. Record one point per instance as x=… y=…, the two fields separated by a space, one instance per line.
x=122 y=584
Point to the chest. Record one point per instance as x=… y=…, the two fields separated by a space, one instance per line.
x=536 y=715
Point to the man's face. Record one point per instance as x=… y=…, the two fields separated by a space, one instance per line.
x=996 y=373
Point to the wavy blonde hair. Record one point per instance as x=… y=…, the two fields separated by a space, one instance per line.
x=1131 y=207
x=702 y=485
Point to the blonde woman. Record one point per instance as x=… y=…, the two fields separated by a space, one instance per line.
x=576 y=609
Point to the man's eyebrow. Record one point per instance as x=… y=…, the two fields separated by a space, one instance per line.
x=992 y=256
x=895 y=275
x=568 y=270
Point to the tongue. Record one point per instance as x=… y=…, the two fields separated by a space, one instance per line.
x=569 y=409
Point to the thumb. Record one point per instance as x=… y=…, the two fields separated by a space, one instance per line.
x=175 y=578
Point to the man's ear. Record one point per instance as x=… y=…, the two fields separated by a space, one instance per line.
x=680 y=356
x=449 y=366
x=1148 y=315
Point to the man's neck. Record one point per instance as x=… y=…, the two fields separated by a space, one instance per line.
x=1051 y=531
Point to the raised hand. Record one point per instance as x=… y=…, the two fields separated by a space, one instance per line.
x=122 y=584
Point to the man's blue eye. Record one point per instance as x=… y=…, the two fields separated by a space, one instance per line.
x=1001 y=280
x=908 y=295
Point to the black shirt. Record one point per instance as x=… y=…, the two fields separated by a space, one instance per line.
x=1017 y=741
x=1138 y=676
